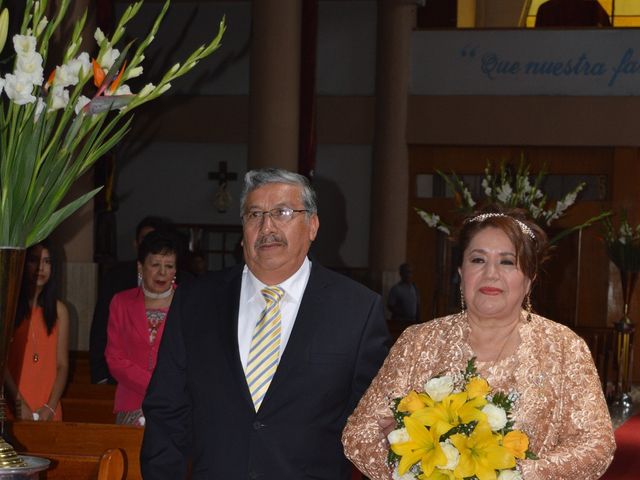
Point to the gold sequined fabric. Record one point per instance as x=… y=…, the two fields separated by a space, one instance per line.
x=561 y=406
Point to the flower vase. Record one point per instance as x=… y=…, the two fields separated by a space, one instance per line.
x=11 y=266
x=625 y=329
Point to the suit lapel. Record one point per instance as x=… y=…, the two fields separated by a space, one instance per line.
x=229 y=301
x=312 y=307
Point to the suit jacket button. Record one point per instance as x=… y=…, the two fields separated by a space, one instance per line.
x=258 y=425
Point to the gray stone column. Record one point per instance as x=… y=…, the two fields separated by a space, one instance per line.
x=275 y=84
x=390 y=182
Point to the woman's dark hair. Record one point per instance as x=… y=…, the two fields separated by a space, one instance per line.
x=529 y=240
x=158 y=242
x=49 y=295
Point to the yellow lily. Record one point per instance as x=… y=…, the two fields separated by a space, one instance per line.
x=453 y=410
x=517 y=443
x=481 y=453
x=438 y=474
x=424 y=446
x=414 y=401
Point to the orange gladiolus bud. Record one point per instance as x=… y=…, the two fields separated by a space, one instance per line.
x=98 y=73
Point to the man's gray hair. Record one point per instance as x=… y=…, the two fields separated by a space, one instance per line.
x=255 y=179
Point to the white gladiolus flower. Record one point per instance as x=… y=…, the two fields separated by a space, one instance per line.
x=80 y=103
x=164 y=88
x=439 y=387
x=452 y=454
x=174 y=69
x=444 y=229
x=496 y=416
x=81 y=65
x=30 y=66
x=146 y=90
x=504 y=192
x=65 y=75
x=509 y=475
x=134 y=72
x=99 y=36
x=59 y=98
x=71 y=48
x=399 y=435
x=39 y=109
x=24 y=44
x=408 y=475
x=1 y=84
x=42 y=25
x=109 y=57
x=19 y=89
x=122 y=90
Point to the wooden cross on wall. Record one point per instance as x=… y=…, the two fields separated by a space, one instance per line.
x=222 y=199
x=222 y=175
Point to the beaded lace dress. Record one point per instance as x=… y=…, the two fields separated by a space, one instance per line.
x=561 y=406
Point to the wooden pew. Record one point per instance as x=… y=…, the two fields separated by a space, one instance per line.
x=108 y=466
x=79 y=367
x=82 y=444
x=84 y=402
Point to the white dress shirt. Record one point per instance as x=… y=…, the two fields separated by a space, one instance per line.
x=252 y=303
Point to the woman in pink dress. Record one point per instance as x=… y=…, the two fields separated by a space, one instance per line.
x=136 y=322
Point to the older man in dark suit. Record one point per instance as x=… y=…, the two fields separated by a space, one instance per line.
x=261 y=365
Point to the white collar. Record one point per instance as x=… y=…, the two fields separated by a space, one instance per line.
x=293 y=286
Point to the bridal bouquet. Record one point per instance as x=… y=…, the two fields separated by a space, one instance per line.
x=456 y=429
x=513 y=189
x=55 y=124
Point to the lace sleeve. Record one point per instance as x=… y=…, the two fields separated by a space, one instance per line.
x=586 y=443
x=363 y=439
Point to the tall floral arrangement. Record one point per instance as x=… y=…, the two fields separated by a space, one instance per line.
x=56 y=122
x=623 y=243
x=514 y=189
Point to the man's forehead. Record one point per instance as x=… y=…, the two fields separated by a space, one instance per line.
x=278 y=193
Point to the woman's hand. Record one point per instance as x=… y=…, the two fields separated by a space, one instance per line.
x=45 y=413
x=388 y=425
x=23 y=410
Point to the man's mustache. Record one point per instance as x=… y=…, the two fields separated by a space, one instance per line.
x=271 y=238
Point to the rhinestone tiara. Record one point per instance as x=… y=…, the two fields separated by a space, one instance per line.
x=523 y=226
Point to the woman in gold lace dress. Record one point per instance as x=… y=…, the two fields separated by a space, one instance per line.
x=560 y=406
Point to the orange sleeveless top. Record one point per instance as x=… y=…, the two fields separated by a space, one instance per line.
x=33 y=361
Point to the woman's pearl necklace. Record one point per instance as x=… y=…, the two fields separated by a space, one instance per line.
x=156 y=296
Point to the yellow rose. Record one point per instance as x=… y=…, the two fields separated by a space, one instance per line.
x=477 y=387
x=412 y=402
x=517 y=443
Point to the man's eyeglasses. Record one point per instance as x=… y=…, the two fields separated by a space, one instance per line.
x=279 y=215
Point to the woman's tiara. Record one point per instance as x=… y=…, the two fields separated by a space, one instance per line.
x=523 y=226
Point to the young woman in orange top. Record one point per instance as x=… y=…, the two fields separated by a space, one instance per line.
x=39 y=352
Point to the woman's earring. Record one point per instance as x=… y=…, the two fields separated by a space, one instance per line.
x=139 y=279
x=463 y=306
x=173 y=280
x=527 y=306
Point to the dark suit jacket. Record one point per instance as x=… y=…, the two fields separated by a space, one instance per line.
x=198 y=406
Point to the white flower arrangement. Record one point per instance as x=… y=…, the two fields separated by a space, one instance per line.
x=54 y=127
x=513 y=190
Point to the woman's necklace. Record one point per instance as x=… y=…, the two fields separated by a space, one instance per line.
x=35 y=357
x=155 y=296
x=507 y=337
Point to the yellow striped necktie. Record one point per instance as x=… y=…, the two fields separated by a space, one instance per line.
x=264 y=353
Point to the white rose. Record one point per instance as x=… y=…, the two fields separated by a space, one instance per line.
x=24 y=44
x=59 y=98
x=407 y=475
x=496 y=416
x=398 y=436
x=30 y=66
x=80 y=104
x=19 y=89
x=438 y=388
x=452 y=454
x=509 y=475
